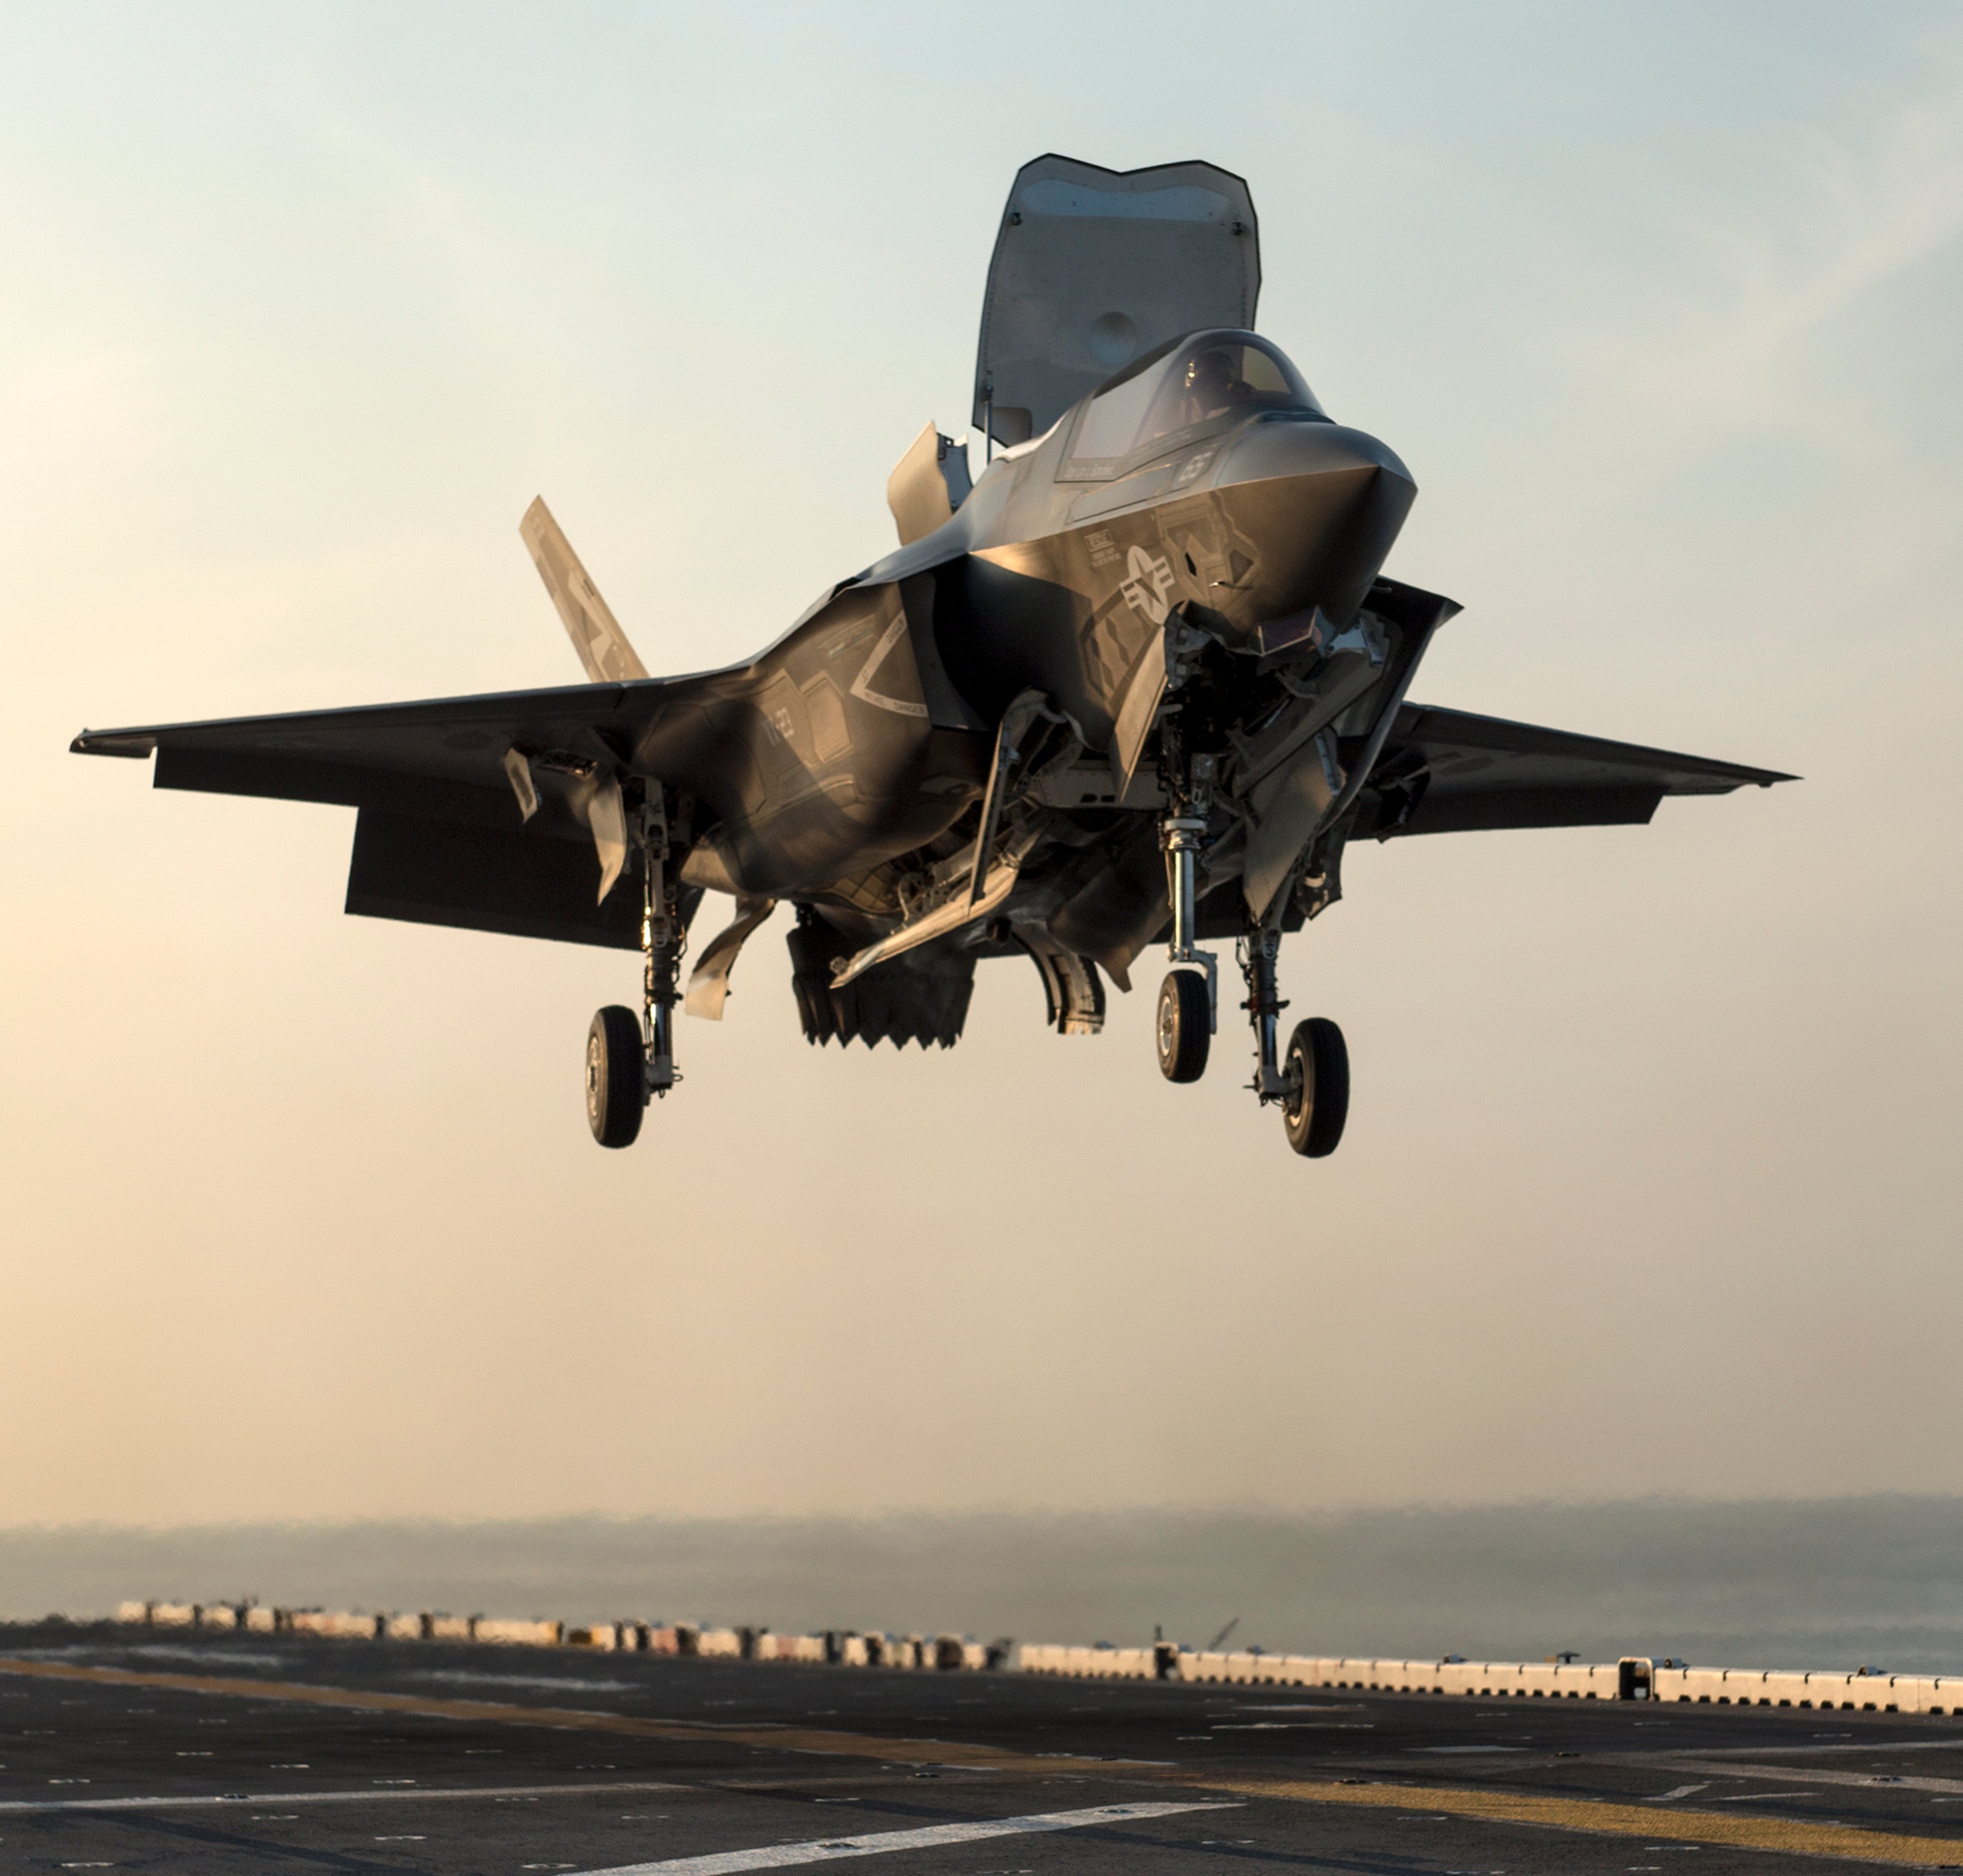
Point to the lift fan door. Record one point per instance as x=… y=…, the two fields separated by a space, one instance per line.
x=1094 y=267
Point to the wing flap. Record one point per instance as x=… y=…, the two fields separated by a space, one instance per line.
x=483 y=879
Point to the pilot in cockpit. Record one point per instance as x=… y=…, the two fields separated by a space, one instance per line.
x=1211 y=386
x=1220 y=379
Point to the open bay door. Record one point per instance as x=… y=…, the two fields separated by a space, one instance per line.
x=1094 y=267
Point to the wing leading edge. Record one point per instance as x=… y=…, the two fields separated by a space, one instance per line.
x=442 y=756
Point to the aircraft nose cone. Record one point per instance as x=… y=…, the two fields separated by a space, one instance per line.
x=1326 y=504
x=1268 y=450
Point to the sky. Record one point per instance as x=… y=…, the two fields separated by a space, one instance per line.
x=1651 y=1183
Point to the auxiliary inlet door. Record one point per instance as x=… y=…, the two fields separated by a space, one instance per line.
x=1093 y=266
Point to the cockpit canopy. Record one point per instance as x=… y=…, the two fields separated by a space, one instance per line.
x=1187 y=388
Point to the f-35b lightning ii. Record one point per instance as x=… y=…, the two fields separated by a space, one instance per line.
x=1144 y=680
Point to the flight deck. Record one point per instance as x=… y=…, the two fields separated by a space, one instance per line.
x=195 y=1752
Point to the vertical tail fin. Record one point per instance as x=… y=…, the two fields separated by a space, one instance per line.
x=590 y=623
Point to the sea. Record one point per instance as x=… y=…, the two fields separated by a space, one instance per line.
x=1837 y=1583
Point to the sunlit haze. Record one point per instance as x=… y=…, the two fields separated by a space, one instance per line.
x=1651 y=1183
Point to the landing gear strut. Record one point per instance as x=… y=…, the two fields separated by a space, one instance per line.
x=1188 y=997
x=1259 y=951
x=629 y=1061
x=1311 y=1084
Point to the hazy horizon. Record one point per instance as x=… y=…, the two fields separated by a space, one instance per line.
x=1820 y=1583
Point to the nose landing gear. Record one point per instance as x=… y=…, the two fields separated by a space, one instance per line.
x=1188 y=997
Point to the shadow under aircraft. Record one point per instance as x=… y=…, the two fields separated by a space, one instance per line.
x=1141 y=683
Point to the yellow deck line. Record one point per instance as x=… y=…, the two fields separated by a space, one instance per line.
x=1656 y=1823
x=920 y=1751
x=1653 y=1822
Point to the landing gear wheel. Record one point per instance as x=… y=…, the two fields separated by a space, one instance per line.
x=615 y=1069
x=1318 y=1102
x=1185 y=1025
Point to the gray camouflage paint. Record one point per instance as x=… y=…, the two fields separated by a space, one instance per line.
x=1222 y=582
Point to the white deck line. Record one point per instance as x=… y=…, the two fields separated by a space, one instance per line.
x=878 y=1843
x=1815 y=1775
x=230 y=1801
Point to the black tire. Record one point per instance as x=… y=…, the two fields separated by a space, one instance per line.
x=1185 y=1025
x=616 y=1076
x=1318 y=1099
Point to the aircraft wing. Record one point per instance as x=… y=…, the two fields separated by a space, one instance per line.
x=1449 y=772
x=443 y=756
x=443 y=836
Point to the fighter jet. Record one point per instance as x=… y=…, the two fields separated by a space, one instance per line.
x=1140 y=682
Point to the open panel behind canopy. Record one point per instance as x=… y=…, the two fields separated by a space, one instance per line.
x=1093 y=266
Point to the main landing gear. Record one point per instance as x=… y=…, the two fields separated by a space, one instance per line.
x=1311 y=1083
x=616 y=1075
x=629 y=1061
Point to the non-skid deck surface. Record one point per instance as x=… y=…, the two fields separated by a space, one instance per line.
x=186 y=1752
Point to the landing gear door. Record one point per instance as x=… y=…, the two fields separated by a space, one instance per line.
x=1095 y=266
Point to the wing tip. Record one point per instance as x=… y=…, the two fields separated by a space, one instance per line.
x=1741 y=777
x=1715 y=780
x=135 y=744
